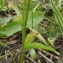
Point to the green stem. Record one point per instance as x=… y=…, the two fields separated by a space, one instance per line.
x=25 y=17
x=32 y=18
x=23 y=42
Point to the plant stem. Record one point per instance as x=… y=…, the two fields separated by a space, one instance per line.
x=23 y=43
x=25 y=17
x=32 y=18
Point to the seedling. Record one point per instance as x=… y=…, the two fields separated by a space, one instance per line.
x=27 y=18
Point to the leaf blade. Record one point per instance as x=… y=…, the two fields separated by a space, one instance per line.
x=3 y=44
x=37 y=18
x=10 y=28
x=30 y=37
x=59 y=17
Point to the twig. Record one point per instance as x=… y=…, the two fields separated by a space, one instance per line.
x=45 y=57
x=30 y=59
x=49 y=54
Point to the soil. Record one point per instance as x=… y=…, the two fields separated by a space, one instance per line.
x=14 y=43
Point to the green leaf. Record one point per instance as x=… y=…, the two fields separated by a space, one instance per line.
x=51 y=41
x=41 y=46
x=2 y=2
x=2 y=35
x=3 y=44
x=40 y=37
x=14 y=6
x=1 y=57
x=33 y=54
x=38 y=45
x=30 y=37
x=59 y=17
x=10 y=28
x=4 y=20
x=37 y=18
x=36 y=6
x=18 y=17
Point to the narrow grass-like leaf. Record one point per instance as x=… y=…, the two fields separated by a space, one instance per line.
x=41 y=46
x=38 y=45
x=58 y=16
x=36 y=7
x=30 y=37
x=1 y=57
x=3 y=44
